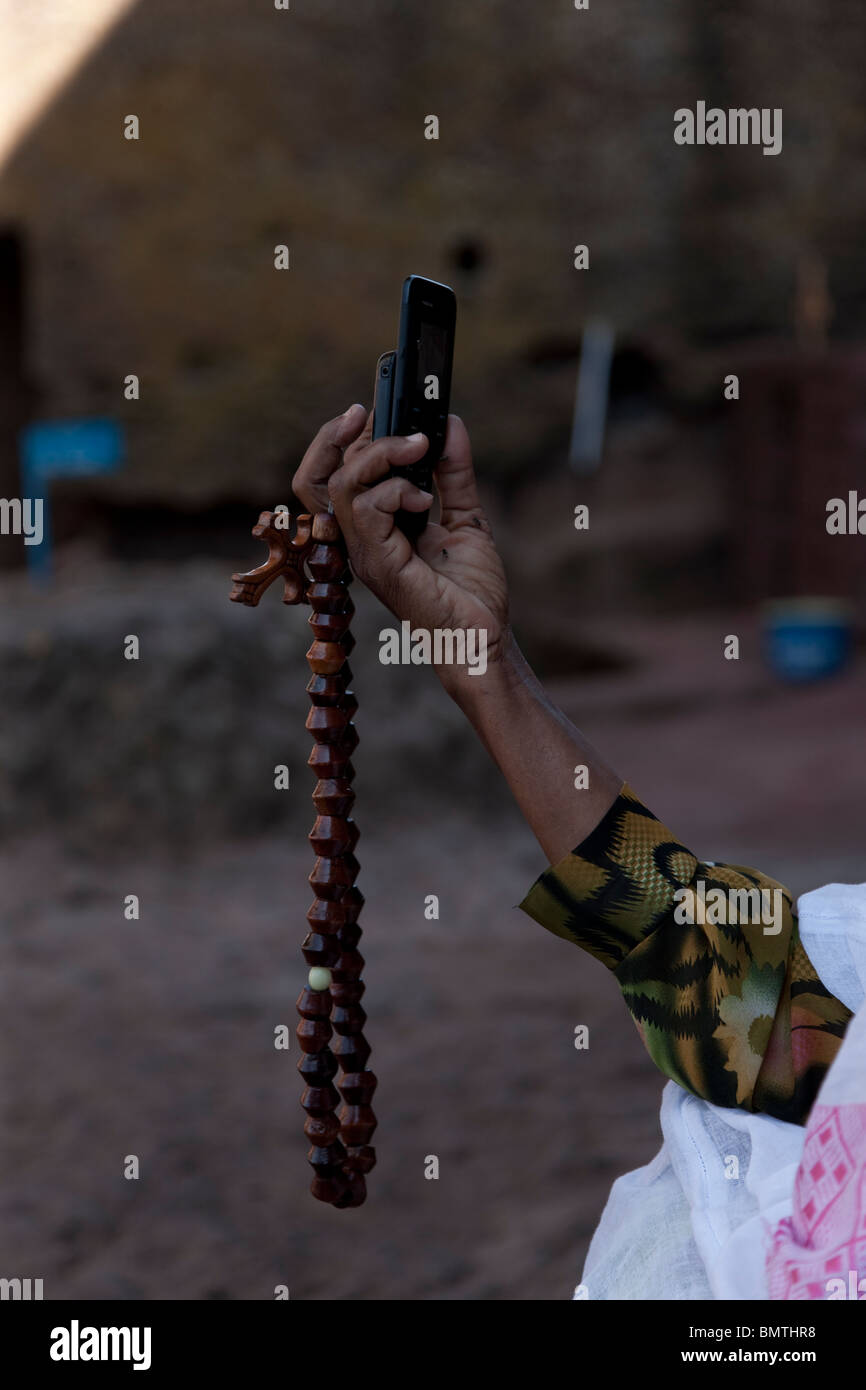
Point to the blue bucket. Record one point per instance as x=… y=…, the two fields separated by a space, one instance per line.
x=807 y=639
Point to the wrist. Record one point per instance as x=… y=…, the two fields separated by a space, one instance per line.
x=506 y=670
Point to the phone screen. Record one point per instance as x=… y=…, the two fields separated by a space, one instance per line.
x=432 y=346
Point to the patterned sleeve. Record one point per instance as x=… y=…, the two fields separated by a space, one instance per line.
x=708 y=957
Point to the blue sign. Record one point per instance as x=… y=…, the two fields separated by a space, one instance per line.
x=64 y=449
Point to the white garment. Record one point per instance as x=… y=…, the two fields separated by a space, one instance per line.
x=679 y=1228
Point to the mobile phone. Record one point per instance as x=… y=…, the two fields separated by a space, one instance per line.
x=422 y=381
x=383 y=394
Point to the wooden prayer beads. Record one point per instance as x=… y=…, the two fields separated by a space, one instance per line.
x=341 y=1153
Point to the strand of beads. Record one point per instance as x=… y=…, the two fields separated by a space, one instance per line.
x=341 y=1153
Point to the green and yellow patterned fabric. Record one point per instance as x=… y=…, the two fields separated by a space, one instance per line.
x=727 y=1002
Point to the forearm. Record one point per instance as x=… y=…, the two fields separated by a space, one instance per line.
x=537 y=750
x=729 y=1009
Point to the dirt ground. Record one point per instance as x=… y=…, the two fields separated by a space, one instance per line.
x=155 y=1037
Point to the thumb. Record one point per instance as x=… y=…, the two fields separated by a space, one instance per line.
x=455 y=477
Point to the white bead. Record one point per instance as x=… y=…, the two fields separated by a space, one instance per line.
x=320 y=977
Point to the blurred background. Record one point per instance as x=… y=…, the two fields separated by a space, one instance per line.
x=155 y=258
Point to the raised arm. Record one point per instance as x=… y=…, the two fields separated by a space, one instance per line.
x=728 y=1005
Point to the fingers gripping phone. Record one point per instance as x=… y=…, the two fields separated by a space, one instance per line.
x=413 y=384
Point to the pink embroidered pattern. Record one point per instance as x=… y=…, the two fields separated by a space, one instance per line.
x=820 y=1250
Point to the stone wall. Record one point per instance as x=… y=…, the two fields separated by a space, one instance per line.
x=306 y=127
